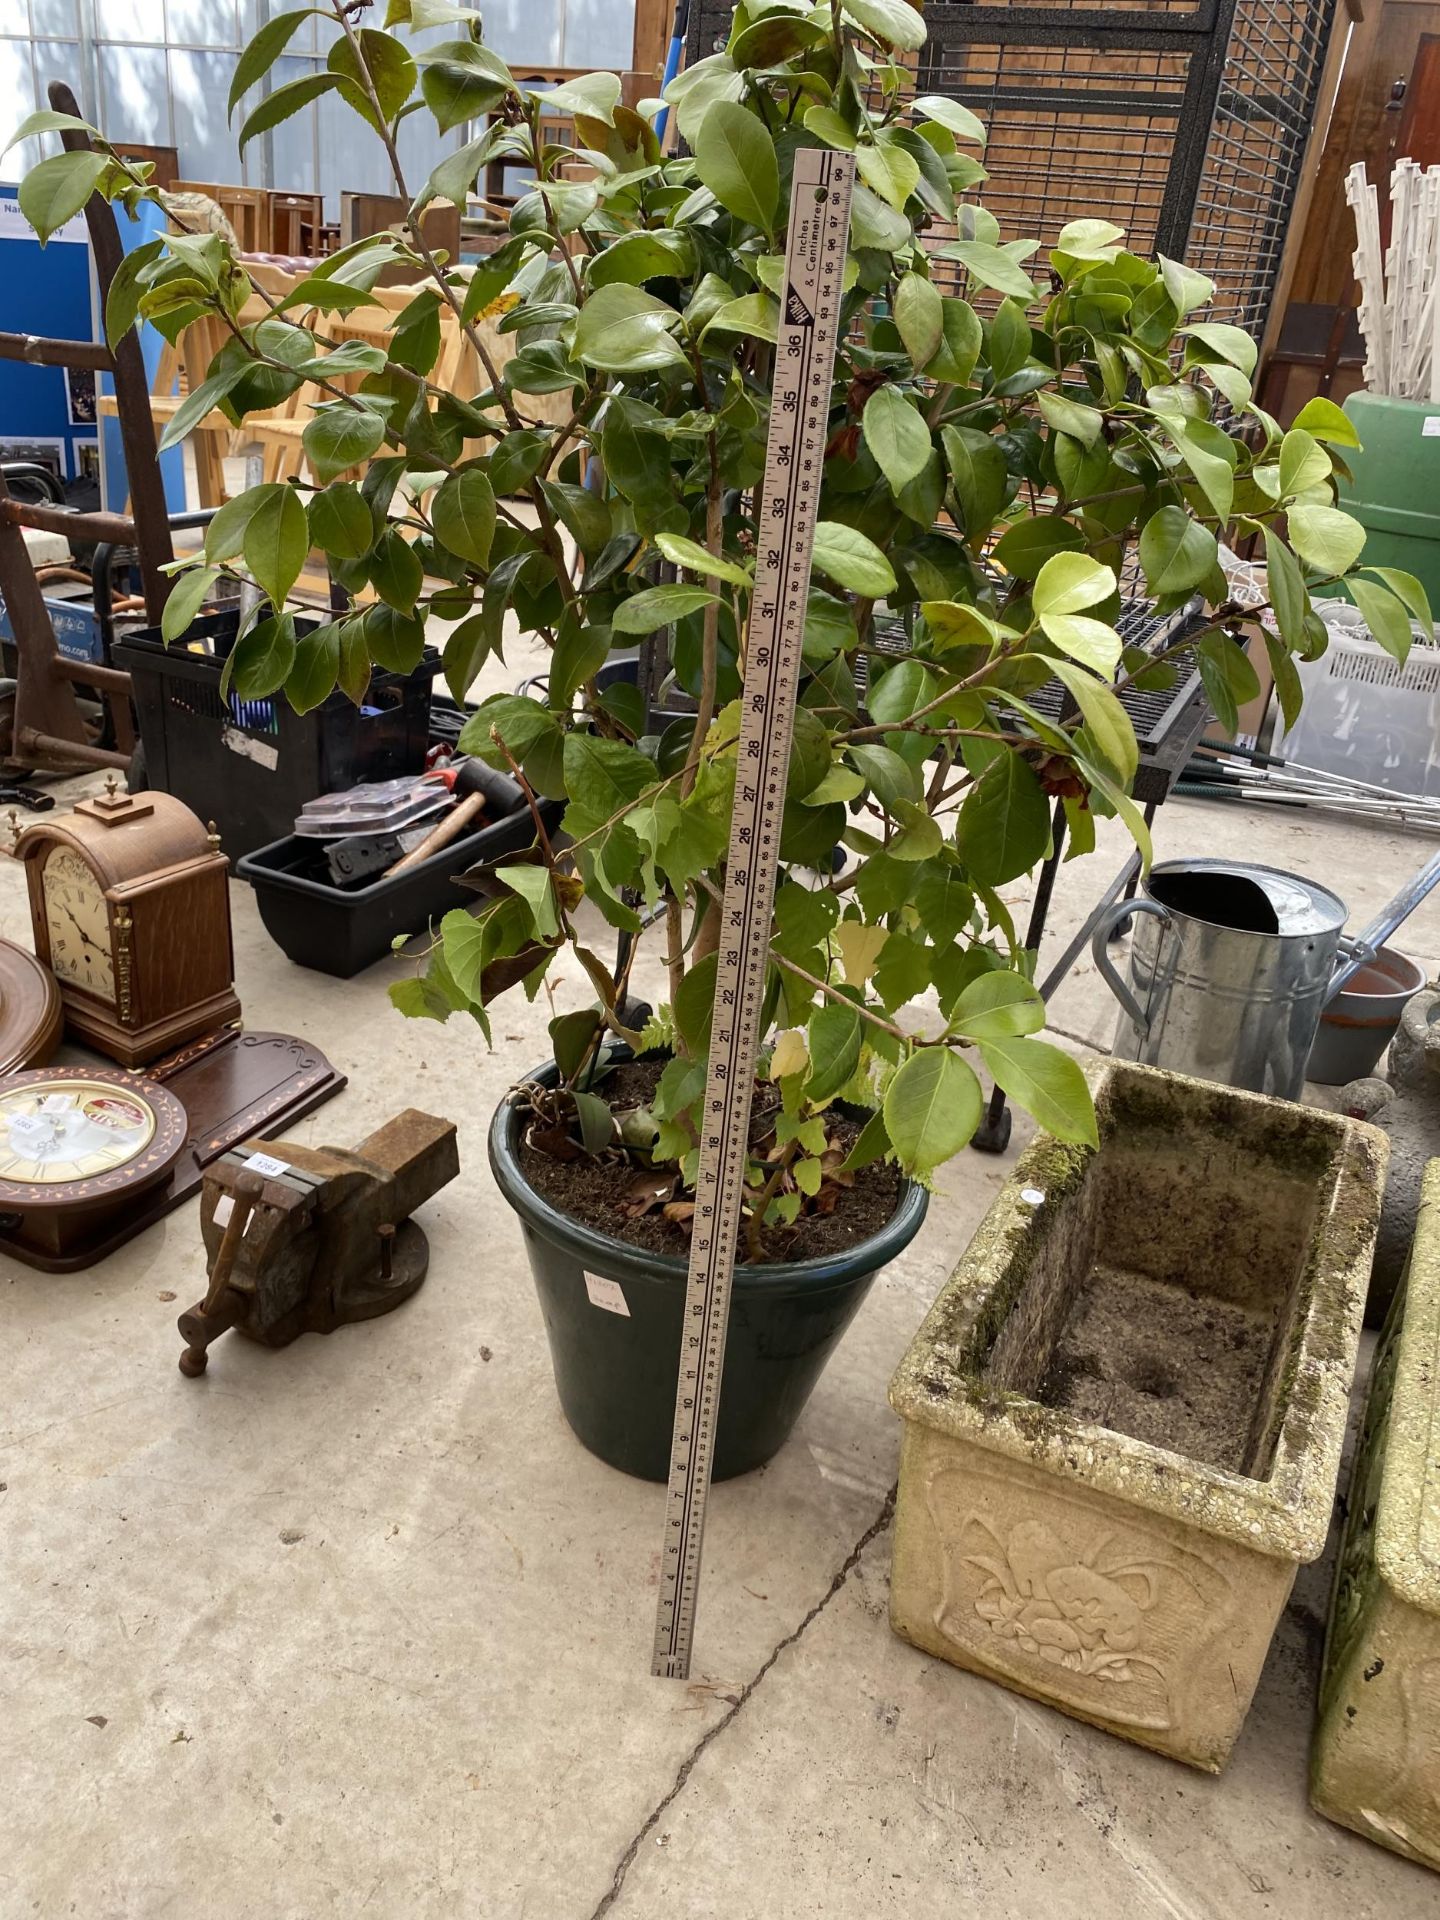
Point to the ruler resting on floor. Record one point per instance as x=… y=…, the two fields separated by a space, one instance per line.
x=794 y=456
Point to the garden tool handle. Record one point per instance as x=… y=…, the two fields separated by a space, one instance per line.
x=1109 y=923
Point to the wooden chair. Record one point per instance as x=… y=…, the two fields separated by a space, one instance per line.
x=295 y=223
x=246 y=208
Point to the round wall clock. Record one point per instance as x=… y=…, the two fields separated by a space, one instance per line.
x=31 y=1016
x=79 y=1147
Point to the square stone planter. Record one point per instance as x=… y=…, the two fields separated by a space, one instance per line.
x=1375 y=1763
x=1123 y=1414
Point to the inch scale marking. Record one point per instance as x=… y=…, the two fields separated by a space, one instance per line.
x=790 y=495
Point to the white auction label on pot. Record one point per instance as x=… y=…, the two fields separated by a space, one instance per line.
x=606 y=1293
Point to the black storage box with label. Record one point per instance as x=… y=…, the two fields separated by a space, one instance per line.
x=250 y=765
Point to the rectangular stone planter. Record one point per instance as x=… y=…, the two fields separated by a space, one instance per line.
x=1375 y=1763
x=1123 y=1414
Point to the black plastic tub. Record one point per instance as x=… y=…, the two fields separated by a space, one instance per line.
x=342 y=930
x=613 y=1318
x=251 y=765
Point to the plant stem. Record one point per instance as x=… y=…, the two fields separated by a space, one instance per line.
x=710 y=633
x=755 y=1230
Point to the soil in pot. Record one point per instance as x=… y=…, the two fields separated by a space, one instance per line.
x=1166 y=1308
x=599 y=1193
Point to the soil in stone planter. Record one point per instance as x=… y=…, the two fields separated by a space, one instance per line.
x=1177 y=1369
x=595 y=1192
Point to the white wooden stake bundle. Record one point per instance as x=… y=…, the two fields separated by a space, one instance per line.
x=1399 y=292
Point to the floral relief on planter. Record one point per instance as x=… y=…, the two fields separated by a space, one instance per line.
x=1132 y=1583
x=1375 y=1762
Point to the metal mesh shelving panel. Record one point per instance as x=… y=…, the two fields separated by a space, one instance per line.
x=1184 y=121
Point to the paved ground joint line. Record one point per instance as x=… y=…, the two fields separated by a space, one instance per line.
x=847 y=1567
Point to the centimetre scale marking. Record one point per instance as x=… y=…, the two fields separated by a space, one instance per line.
x=794 y=455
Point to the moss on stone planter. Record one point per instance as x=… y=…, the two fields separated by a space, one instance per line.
x=1375 y=1763
x=1088 y=1511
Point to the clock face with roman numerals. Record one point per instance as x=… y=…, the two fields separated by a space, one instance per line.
x=77 y=919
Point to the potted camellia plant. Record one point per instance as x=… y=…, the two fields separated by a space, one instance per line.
x=1008 y=433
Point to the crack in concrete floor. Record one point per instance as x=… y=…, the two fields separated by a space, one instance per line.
x=687 y=1766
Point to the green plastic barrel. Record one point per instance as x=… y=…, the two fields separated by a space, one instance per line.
x=1396 y=490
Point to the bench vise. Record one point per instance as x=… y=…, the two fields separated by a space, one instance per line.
x=306 y=1239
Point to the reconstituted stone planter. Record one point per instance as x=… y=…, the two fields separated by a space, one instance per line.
x=1123 y=1415
x=1375 y=1763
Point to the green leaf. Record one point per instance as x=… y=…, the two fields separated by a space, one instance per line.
x=122 y=304
x=684 y=552
x=341 y=523
x=390 y=65
x=932 y=1108
x=393 y=637
x=1287 y=680
x=873 y=1143
x=977 y=468
x=1304 y=463
x=225 y=535
x=1092 y=642
x=467 y=648
x=1384 y=615
x=197 y=404
x=454 y=178
x=1187 y=288
x=462 y=81
x=993 y=267
x=852 y=560
x=888 y=776
x=1004 y=825
x=187 y=596
x=1024 y=548
x=1109 y=724
x=1327 y=422
x=58 y=188
x=260 y=662
x=534 y=888
x=951 y=115
x=603 y=777
x=596 y=95
x=827 y=125
x=580 y=652
x=276 y=541
x=637 y=257
x=890 y=172
x=45 y=121
x=1408 y=589
x=660 y=607
x=463 y=515
x=897 y=436
x=1286 y=586
x=1176 y=552
x=1070 y=582
x=998 y=1006
x=262 y=53
x=624 y=330
x=597 y=1123
x=340 y=437
x=396 y=571
x=571 y=1037
x=694 y=1004
x=284 y=102
x=1210 y=456
x=894 y=23
x=954 y=361
x=1069 y=416
x=312 y=678
x=833 y=1041
x=1230 y=343
x=754 y=314
x=735 y=159
x=1046 y=1083
x=517 y=459
x=1325 y=538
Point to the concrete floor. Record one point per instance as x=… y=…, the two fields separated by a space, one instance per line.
x=359 y=1629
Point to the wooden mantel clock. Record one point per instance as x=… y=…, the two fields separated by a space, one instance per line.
x=130 y=905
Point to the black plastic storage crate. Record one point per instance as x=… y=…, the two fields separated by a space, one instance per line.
x=250 y=765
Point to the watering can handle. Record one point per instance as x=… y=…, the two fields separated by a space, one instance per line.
x=1110 y=921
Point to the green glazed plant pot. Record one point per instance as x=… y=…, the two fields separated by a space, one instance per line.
x=613 y=1316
